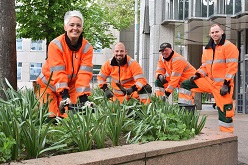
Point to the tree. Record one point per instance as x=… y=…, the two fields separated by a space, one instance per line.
x=43 y=19
x=8 y=62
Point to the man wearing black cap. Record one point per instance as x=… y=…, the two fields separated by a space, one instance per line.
x=172 y=69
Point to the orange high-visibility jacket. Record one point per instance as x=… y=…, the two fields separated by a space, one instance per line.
x=69 y=67
x=128 y=74
x=177 y=68
x=221 y=64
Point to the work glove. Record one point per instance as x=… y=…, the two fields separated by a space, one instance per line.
x=130 y=90
x=108 y=93
x=162 y=79
x=194 y=77
x=167 y=94
x=65 y=101
x=85 y=102
x=225 y=88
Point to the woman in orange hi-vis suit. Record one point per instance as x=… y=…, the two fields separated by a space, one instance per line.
x=172 y=69
x=70 y=61
x=216 y=75
x=127 y=77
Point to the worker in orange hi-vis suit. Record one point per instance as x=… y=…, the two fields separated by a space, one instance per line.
x=70 y=64
x=127 y=77
x=172 y=69
x=216 y=75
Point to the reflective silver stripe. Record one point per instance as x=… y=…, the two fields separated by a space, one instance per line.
x=162 y=69
x=58 y=43
x=130 y=62
x=186 y=68
x=167 y=74
x=102 y=75
x=86 y=68
x=116 y=81
x=204 y=64
x=82 y=89
x=71 y=76
x=44 y=80
x=221 y=123
x=57 y=68
x=229 y=76
x=202 y=72
x=219 y=61
x=185 y=91
x=218 y=79
x=176 y=74
x=139 y=84
x=138 y=76
x=144 y=96
x=159 y=89
x=231 y=60
x=118 y=92
x=227 y=42
x=127 y=80
x=100 y=82
x=178 y=58
x=171 y=87
x=61 y=85
x=185 y=101
x=86 y=47
x=208 y=62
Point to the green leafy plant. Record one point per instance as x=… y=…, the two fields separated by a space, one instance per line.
x=5 y=147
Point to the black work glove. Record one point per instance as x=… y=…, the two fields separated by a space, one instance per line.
x=130 y=90
x=85 y=102
x=108 y=93
x=194 y=77
x=65 y=101
x=225 y=88
x=162 y=79
x=167 y=93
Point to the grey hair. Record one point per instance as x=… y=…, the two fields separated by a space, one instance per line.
x=73 y=13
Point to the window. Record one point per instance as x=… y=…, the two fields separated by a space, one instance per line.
x=98 y=48
x=36 y=45
x=35 y=69
x=19 y=44
x=96 y=70
x=19 y=71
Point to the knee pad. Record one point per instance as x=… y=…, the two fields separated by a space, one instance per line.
x=228 y=110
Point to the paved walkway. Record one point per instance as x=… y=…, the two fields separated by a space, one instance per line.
x=240 y=129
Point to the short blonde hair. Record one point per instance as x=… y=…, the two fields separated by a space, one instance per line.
x=73 y=13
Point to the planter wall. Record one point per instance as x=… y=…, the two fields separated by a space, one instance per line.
x=208 y=148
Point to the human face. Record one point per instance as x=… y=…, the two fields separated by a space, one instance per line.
x=216 y=33
x=120 y=52
x=166 y=52
x=74 y=28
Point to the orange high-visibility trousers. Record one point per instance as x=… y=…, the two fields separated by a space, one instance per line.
x=54 y=99
x=224 y=103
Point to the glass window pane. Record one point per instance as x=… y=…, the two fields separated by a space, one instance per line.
x=229 y=7
x=36 y=45
x=19 y=71
x=19 y=44
x=237 y=6
x=35 y=70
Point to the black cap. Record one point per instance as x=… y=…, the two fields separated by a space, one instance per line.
x=163 y=46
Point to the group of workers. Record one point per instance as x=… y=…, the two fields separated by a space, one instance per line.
x=70 y=64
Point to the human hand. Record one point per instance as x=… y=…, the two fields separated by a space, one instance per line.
x=194 y=77
x=65 y=102
x=108 y=93
x=162 y=79
x=225 y=88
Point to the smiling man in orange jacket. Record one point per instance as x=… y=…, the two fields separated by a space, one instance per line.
x=216 y=75
x=127 y=77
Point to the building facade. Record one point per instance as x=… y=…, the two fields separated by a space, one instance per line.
x=185 y=24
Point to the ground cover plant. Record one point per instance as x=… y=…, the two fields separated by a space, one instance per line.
x=25 y=133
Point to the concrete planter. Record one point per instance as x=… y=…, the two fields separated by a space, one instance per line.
x=208 y=148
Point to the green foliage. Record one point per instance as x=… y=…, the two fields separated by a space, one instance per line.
x=43 y=19
x=5 y=147
x=26 y=133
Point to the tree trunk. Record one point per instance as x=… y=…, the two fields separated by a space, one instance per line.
x=8 y=68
